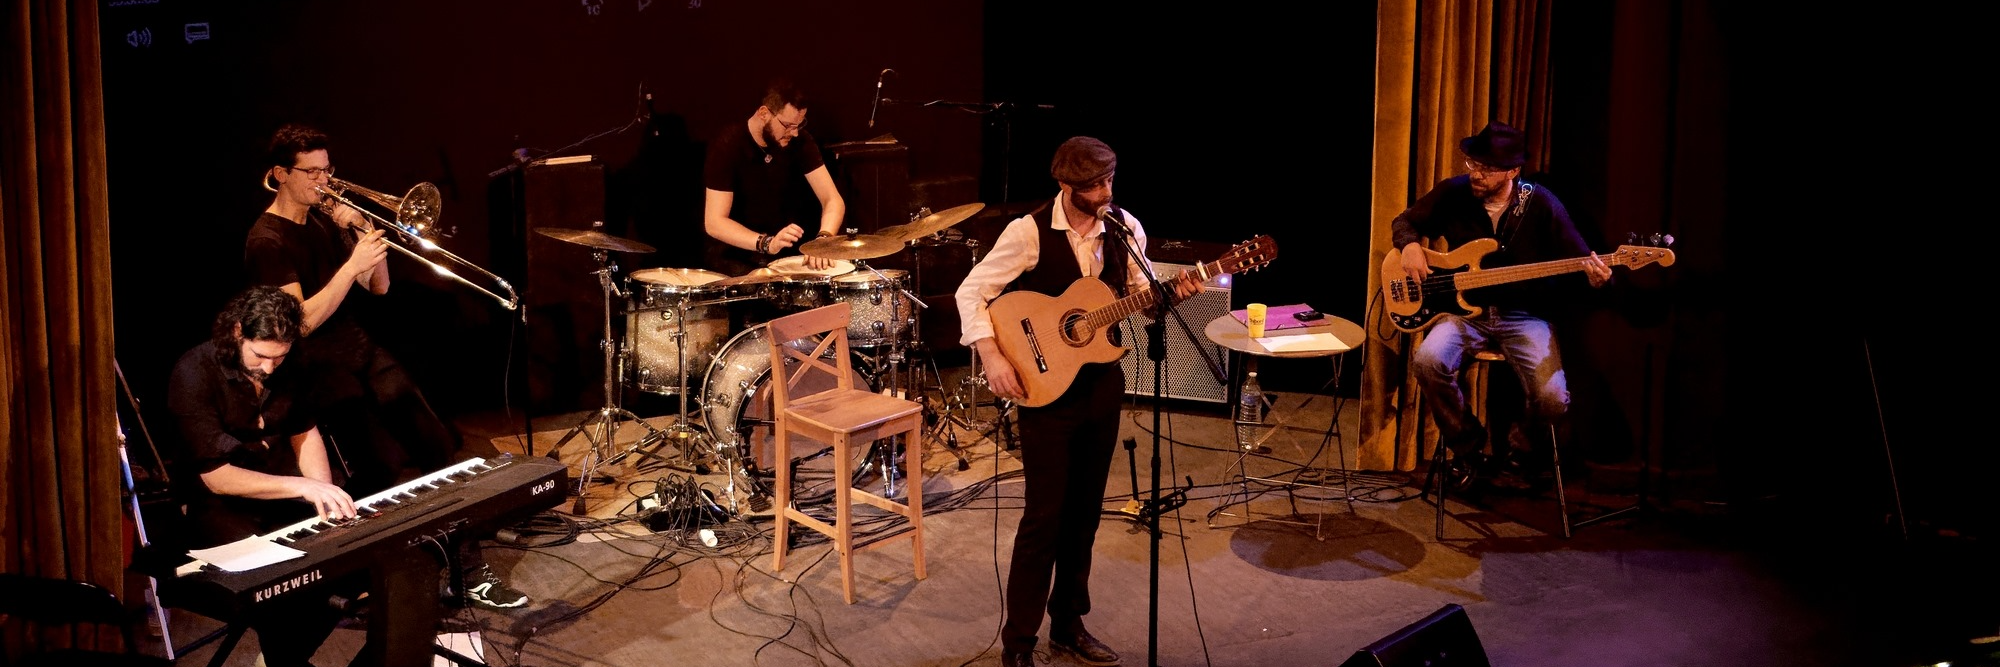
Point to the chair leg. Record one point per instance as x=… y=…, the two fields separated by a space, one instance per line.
x=843 y=512
x=1443 y=479
x=913 y=488
x=781 y=457
x=1555 y=461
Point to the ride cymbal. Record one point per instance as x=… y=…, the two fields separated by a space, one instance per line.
x=851 y=246
x=930 y=224
x=594 y=239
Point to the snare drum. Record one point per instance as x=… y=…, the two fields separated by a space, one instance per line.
x=803 y=288
x=653 y=327
x=882 y=313
x=736 y=392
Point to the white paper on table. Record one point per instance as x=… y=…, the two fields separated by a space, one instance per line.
x=246 y=554
x=1317 y=342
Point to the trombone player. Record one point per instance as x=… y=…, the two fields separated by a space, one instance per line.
x=322 y=253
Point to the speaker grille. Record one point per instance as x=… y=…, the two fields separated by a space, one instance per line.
x=1186 y=373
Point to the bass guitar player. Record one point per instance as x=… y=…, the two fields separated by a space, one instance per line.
x=1528 y=224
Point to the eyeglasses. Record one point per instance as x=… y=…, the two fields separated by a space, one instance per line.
x=789 y=127
x=314 y=172
x=1478 y=169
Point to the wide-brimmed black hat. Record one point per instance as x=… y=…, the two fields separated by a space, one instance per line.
x=1499 y=145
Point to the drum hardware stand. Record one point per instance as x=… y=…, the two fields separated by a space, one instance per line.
x=697 y=448
x=879 y=459
x=601 y=426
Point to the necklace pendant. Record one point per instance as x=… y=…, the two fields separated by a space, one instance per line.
x=767 y=158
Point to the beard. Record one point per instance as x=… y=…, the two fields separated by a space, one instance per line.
x=256 y=375
x=771 y=138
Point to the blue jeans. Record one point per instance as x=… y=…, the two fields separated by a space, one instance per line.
x=1530 y=347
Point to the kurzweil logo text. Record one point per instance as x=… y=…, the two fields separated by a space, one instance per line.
x=286 y=585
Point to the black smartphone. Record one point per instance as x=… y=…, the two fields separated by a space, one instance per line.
x=1306 y=315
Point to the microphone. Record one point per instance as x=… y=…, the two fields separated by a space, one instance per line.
x=877 y=104
x=1113 y=219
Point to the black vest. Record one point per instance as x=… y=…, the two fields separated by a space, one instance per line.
x=1055 y=269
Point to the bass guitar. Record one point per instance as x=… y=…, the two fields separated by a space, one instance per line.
x=1048 y=339
x=1415 y=305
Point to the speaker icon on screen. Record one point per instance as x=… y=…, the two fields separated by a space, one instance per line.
x=142 y=37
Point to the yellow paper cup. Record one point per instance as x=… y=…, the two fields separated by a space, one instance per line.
x=1257 y=320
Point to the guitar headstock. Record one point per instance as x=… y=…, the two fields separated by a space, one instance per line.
x=1248 y=256
x=1639 y=252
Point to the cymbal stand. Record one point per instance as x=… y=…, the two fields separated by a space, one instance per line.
x=879 y=459
x=600 y=427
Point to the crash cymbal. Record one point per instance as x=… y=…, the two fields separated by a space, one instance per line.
x=755 y=276
x=930 y=224
x=852 y=246
x=594 y=239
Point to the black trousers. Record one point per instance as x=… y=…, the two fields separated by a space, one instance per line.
x=1066 y=449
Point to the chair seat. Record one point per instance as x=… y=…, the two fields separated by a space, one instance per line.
x=849 y=410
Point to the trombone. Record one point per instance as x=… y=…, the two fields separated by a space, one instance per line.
x=416 y=216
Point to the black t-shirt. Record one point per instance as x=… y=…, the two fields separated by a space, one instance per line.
x=770 y=191
x=279 y=251
x=222 y=420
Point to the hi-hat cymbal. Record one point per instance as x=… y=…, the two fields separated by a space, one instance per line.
x=594 y=239
x=756 y=275
x=851 y=246
x=930 y=224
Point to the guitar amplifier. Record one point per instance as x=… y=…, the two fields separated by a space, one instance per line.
x=1185 y=373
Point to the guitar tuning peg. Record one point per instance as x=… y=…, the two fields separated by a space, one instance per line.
x=1631 y=238
x=1666 y=240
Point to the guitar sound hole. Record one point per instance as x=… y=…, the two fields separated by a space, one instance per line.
x=1073 y=330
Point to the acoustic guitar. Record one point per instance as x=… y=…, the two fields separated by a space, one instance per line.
x=1048 y=339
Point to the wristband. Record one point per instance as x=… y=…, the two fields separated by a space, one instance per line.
x=763 y=244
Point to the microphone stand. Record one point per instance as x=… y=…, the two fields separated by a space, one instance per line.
x=1006 y=126
x=1166 y=305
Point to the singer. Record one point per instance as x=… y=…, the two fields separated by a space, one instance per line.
x=1066 y=445
x=750 y=170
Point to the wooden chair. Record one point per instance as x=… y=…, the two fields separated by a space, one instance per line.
x=846 y=417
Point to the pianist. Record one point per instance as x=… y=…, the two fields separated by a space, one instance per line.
x=257 y=454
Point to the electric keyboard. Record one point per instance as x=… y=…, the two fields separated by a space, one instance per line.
x=473 y=496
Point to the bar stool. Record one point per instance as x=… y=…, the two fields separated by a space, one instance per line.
x=1476 y=376
x=843 y=417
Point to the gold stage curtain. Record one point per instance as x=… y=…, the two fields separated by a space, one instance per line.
x=61 y=514
x=1444 y=68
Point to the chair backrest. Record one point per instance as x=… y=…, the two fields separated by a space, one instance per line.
x=829 y=323
x=46 y=603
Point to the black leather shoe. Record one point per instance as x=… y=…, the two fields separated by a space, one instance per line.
x=1022 y=659
x=1086 y=648
x=1464 y=471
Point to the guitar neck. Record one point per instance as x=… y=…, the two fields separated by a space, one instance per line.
x=1117 y=311
x=1507 y=274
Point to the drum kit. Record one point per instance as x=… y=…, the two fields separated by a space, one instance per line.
x=700 y=336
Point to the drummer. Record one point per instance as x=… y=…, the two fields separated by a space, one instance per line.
x=753 y=175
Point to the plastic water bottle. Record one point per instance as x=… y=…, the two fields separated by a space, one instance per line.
x=1250 y=413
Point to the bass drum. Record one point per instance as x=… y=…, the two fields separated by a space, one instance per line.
x=737 y=395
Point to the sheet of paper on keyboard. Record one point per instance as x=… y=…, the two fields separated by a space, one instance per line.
x=246 y=554
x=1317 y=342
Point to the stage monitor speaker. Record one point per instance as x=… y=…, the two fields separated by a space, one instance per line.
x=1442 y=639
x=565 y=301
x=1187 y=375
